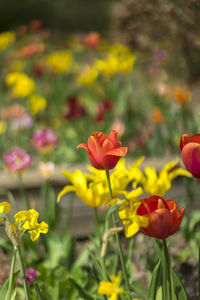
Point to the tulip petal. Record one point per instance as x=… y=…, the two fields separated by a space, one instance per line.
x=121 y=151
x=113 y=138
x=160 y=224
x=191 y=158
x=112 y=157
x=107 y=146
x=65 y=190
x=84 y=146
x=178 y=221
x=184 y=140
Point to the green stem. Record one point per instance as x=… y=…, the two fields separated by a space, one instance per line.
x=8 y=295
x=21 y=263
x=199 y=271
x=167 y=283
x=23 y=194
x=102 y=261
x=97 y=224
x=37 y=289
x=119 y=248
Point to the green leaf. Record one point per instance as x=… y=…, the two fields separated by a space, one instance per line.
x=159 y=294
x=4 y=288
x=140 y=289
x=178 y=286
x=154 y=281
x=115 y=207
x=82 y=292
x=2 y=215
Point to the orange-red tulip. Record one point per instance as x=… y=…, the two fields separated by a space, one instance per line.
x=190 y=153
x=104 y=151
x=164 y=217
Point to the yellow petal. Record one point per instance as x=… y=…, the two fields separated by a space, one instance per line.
x=5 y=207
x=65 y=190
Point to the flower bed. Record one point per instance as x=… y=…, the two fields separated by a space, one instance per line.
x=51 y=102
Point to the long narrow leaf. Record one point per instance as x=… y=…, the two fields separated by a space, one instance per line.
x=4 y=288
x=178 y=286
x=154 y=282
x=82 y=292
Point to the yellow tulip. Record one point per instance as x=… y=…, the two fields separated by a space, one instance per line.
x=92 y=194
x=154 y=183
x=132 y=222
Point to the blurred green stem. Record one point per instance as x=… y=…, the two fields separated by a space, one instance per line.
x=119 y=248
x=21 y=263
x=102 y=261
x=8 y=295
x=167 y=282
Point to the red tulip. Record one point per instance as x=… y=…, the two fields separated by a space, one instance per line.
x=104 y=151
x=92 y=40
x=190 y=153
x=164 y=217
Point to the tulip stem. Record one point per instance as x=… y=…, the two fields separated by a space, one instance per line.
x=167 y=282
x=199 y=271
x=23 y=194
x=97 y=224
x=119 y=248
x=102 y=262
x=8 y=295
x=23 y=273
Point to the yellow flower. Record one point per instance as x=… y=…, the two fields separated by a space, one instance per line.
x=5 y=207
x=119 y=60
x=109 y=66
x=119 y=178
x=126 y=64
x=92 y=194
x=154 y=183
x=23 y=86
x=37 y=103
x=60 y=61
x=111 y=288
x=88 y=76
x=132 y=222
x=6 y=38
x=3 y=127
x=119 y=49
x=17 y=65
x=28 y=220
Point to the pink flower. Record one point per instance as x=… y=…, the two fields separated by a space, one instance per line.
x=45 y=140
x=31 y=274
x=17 y=160
x=25 y=122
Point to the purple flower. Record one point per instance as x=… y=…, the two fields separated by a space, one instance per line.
x=45 y=140
x=17 y=160
x=31 y=274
